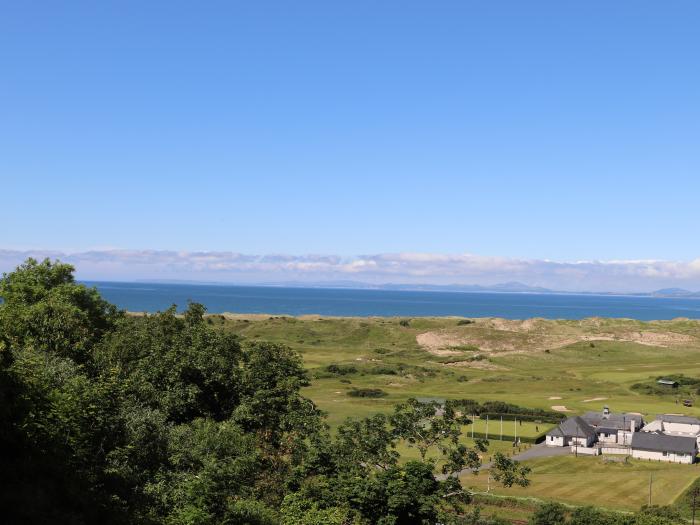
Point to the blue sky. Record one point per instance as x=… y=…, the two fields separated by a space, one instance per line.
x=537 y=130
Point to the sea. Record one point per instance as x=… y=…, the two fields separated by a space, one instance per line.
x=275 y=300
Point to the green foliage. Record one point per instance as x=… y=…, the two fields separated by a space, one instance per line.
x=165 y=419
x=549 y=514
x=298 y=510
x=43 y=308
x=366 y=392
x=509 y=472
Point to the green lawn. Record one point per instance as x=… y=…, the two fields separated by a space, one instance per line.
x=592 y=480
x=575 y=366
x=508 y=429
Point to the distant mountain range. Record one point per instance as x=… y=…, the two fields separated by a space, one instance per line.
x=508 y=287
x=674 y=292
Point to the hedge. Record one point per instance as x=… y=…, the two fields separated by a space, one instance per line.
x=496 y=436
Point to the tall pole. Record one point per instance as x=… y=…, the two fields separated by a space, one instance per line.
x=695 y=495
x=650 y=481
x=515 y=426
x=487 y=426
x=501 y=428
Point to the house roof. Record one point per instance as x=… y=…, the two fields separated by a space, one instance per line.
x=658 y=442
x=611 y=421
x=572 y=427
x=670 y=418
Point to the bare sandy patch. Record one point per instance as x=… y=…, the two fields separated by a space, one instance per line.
x=552 y=398
x=560 y=408
x=507 y=336
x=594 y=399
x=479 y=365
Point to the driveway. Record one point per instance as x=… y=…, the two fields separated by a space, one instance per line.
x=536 y=451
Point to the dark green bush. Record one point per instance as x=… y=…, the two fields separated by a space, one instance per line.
x=367 y=392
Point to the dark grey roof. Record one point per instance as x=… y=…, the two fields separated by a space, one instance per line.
x=657 y=442
x=612 y=421
x=573 y=427
x=688 y=420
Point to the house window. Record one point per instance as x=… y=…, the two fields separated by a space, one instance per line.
x=665 y=453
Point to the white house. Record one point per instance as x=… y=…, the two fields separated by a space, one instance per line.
x=572 y=431
x=674 y=425
x=657 y=446
x=668 y=438
x=614 y=428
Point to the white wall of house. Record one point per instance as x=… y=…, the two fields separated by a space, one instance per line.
x=624 y=437
x=554 y=441
x=670 y=457
x=624 y=451
x=581 y=441
x=607 y=438
x=591 y=451
x=681 y=428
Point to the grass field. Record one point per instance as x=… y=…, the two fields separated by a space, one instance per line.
x=509 y=429
x=570 y=366
x=592 y=480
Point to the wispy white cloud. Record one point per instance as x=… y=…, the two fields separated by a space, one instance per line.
x=616 y=275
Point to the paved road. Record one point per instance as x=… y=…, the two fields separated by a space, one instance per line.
x=537 y=451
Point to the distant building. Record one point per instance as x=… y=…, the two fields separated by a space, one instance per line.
x=614 y=428
x=668 y=382
x=674 y=425
x=668 y=438
x=573 y=431
x=663 y=447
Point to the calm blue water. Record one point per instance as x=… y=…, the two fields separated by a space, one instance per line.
x=139 y=297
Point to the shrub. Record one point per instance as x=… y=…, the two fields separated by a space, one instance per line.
x=341 y=370
x=464 y=321
x=366 y=392
x=405 y=322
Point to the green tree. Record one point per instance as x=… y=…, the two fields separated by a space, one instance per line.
x=44 y=308
x=549 y=514
x=509 y=472
x=426 y=425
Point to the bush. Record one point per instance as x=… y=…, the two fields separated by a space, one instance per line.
x=367 y=392
x=383 y=370
x=405 y=323
x=462 y=322
x=341 y=370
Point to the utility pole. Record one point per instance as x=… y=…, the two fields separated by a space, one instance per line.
x=501 y=428
x=487 y=426
x=650 y=482
x=695 y=492
x=515 y=426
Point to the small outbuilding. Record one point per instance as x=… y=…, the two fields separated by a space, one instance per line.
x=657 y=446
x=667 y=382
x=572 y=431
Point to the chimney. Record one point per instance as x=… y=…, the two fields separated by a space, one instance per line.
x=633 y=427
